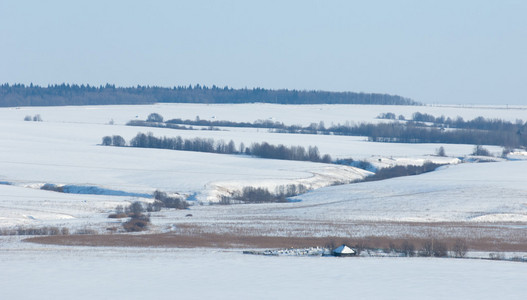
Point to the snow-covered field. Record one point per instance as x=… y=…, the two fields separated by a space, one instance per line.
x=289 y=114
x=63 y=149
x=469 y=192
x=44 y=272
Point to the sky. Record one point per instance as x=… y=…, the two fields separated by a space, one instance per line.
x=437 y=52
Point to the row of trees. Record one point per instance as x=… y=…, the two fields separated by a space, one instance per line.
x=434 y=248
x=263 y=150
x=251 y=194
x=478 y=123
x=479 y=131
x=399 y=171
x=412 y=133
x=66 y=94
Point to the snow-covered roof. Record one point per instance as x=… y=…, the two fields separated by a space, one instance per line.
x=344 y=250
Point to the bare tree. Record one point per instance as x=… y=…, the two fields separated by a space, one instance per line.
x=460 y=248
x=427 y=248
x=480 y=151
x=441 y=151
x=107 y=141
x=408 y=248
x=136 y=209
x=118 y=141
x=439 y=249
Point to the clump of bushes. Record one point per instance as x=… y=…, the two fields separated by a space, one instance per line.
x=137 y=224
x=459 y=249
x=119 y=213
x=116 y=140
x=398 y=171
x=138 y=220
x=361 y=164
x=433 y=248
x=36 y=118
x=407 y=248
x=480 y=151
x=162 y=199
x=251 y=194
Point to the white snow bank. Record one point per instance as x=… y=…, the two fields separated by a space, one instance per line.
x=326 y=175
x=495 y=192
x=110 y=273
x=35 y=207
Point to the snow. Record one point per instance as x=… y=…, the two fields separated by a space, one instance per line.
x=63 y=150
x=34 y=207
x=467 y=192
x=289 y=114
x=114 y=273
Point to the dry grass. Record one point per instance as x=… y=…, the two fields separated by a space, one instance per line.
x=259 y=234
x=237 y=241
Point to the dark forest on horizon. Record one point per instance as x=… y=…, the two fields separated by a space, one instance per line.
x=66 y=94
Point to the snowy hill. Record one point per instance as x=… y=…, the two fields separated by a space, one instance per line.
x=63 y=150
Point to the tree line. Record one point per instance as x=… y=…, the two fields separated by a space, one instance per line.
x=263 y=150
x=251 y=194
x=479 y=123
x=66 y=94
x=479 y=131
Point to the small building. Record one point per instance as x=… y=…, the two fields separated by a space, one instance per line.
x=343 y=250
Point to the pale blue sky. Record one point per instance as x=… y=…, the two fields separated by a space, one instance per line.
x=467 y=52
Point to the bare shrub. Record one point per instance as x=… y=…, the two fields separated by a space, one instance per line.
x=135 y=209
x=331 y=244
x=408 y=248
x=169 y=201
x=360 y=246
x=137 y=224
x=480 y=151
x=138 y=221
x=440 y=151
x=459 y=248
x=391 y=248
x=426 y=248
x=225 y=200
x=154 y=206
x=119 y=209
x=439 y=249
